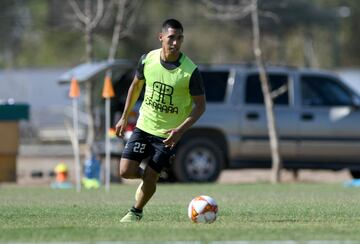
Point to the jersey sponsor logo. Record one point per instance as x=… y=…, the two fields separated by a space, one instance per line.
x=163 y=92
x=161 y=98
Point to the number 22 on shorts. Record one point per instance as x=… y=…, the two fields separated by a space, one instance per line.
x=139 y=147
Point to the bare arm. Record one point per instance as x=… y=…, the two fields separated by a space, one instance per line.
x=176 y=133
x=132 y=96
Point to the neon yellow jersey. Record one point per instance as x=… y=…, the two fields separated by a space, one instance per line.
x=167 y=100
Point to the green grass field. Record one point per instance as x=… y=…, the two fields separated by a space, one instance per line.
x=246 y=212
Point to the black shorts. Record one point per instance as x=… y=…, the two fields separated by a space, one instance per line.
x=142 y=145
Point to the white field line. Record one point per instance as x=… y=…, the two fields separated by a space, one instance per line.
x=196 y=242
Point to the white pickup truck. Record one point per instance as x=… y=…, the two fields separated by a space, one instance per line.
x=317 y=118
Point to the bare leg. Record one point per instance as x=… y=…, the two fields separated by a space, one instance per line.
x=130 y=169
x=148 y=188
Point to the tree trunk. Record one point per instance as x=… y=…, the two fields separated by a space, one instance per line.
x=88 y=45
x=117 y=29
x=127 y=11
x=90 y=133
x=309 y=51
x=88 y=103
x=274 y=141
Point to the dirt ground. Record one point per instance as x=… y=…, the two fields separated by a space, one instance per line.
x=28 y=166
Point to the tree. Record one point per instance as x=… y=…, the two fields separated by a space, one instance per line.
x=235 y=10
x=89 y=22
x=124 y=23
x=90 y=18
x=15 y=17
x=300 y=16
x=284 y=19
x=351 y=28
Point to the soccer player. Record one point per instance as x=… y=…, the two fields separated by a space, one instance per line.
x=174 y=100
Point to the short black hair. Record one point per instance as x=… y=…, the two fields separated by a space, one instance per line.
x=172 y=23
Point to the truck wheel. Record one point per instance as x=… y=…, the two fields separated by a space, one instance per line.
x=355 y=174
x=198 y=160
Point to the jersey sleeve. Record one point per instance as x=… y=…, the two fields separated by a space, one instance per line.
x=196 y=85
x=140 y=68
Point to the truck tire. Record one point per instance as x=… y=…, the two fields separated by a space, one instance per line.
x=355 y=174
x=198 y=160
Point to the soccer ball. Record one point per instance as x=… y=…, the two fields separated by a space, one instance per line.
x=202 y=209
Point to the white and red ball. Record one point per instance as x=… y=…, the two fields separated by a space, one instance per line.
x=203 y=209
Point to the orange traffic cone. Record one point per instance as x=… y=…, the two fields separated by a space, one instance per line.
x=108 y=90
x=74 y=89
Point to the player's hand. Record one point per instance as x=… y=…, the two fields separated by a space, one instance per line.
x=173 y=138
x=120 y=127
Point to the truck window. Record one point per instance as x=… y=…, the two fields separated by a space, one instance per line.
x=215 y=83
x=323 y=91
x=278 y=87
